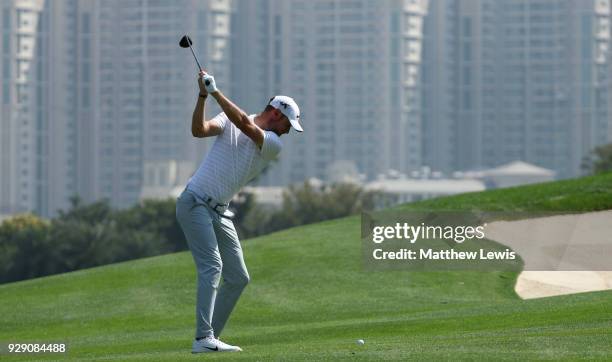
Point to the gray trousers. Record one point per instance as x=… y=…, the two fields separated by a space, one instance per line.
x=217 y=253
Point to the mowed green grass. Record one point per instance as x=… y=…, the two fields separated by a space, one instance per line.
x=310 y=299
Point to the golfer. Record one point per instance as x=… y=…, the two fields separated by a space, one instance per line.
x=243 y=147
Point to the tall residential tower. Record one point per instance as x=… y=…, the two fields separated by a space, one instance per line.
x=94 y=91
x=513 y=80
x=352 y=66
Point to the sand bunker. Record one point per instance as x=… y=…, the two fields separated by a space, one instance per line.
x=559 y=251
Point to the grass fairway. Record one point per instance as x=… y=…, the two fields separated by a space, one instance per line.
x=309 y=299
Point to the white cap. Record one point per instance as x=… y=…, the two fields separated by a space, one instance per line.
x=289 y=108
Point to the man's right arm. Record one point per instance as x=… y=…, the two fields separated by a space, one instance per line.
x=200 y=127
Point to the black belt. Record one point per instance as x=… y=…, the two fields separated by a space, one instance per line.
x=218 y=207
x=214 y=205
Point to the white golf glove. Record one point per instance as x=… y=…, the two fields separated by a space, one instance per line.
x=209 y=83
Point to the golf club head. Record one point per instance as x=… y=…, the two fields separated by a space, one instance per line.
x=185 y=42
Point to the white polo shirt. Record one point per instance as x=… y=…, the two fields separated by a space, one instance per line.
x=233 y=161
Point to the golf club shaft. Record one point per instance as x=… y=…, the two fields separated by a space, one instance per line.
x=196 y=58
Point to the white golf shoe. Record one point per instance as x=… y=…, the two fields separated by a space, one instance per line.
x=211 y=344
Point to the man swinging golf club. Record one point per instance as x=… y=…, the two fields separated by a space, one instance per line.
x=243 y=147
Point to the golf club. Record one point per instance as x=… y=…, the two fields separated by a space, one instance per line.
x=186 y=42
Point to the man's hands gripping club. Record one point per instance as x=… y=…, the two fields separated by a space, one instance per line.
x=207 y=83
x=199 y=126
x=236 y=115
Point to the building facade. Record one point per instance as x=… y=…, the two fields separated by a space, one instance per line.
x=38 y=115
x=145 y=86
x=94 y=90
x=352 y=66
x=516 y=80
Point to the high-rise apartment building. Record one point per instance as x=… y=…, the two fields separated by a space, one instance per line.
x=38 y=113
x=516 y=80
x=145 y=87
x=92 y=91
x=440 y=52
x=352 y=66
x=19 y=24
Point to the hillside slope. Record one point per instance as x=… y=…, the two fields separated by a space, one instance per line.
x=310 y=299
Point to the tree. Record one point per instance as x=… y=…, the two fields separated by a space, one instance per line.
x=94 y=234
x=24 y=248
x=86 y=236
x=308 y=203
x=599 y=160
x=78 y=244
x=244 y=206
x=157 y=218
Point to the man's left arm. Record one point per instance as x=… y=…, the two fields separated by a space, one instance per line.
x=236 y=115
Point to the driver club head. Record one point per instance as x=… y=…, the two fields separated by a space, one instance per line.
x=185 y=42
